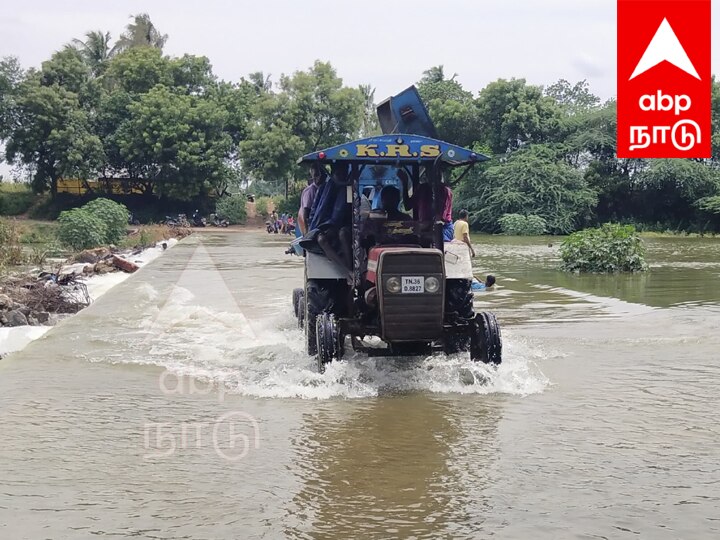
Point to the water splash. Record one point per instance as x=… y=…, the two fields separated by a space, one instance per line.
x=265 y=358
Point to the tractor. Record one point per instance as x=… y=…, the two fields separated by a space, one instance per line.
x=381 y=281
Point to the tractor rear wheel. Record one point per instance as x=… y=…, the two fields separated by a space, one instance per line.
x=459 y=298
x=301 y=312
x=485 y=339
x=318 y=299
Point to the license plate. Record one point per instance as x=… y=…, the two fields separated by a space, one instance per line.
x=413 y=284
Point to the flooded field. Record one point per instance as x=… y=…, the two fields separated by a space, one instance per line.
x=181 y=405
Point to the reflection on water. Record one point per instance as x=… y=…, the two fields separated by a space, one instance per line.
x=403 y=467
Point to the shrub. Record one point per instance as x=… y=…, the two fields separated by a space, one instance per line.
x=610 y=248
x=15 y=199
x=81 y=229
x=262 y=205
x=517 y=224
x=232 y=208
x=11 y=252
x=113 y=215
x=289 y=205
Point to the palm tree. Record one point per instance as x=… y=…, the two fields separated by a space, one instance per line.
x=140 y=33
x=95 y=50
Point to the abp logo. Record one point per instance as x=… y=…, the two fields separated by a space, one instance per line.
x=664 y=83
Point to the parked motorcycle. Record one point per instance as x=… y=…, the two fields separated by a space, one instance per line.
x=217 y=221
x=198 y=220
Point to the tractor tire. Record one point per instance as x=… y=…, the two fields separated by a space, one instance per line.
x=330 y=344
x=296 y=294
x=485 y=339
x=318 y=299
x=301 y=312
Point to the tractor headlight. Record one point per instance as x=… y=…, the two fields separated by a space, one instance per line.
x=392 y=285
x=432 y=284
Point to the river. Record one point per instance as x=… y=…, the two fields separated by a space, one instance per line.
x=181 y=405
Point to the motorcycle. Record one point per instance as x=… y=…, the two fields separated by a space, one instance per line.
x=198 y=220
x=217 y=221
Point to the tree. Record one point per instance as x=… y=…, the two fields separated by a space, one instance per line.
x=532 y=181
x=95 y=50
x=313 y=110
x=513 y=114
x=52 y=134
x=451 y=108
x=11 y=74
x=177 y=141
x=668 y=191
x=141 y=33
x=573 y=98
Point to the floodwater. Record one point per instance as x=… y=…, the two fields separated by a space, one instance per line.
x=181 y=405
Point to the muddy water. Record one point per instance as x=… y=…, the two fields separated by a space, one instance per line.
x=180 y=405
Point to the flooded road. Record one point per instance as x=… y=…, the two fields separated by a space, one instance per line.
x=181 y=405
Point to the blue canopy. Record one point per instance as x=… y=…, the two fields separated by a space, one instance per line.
x=396 y=149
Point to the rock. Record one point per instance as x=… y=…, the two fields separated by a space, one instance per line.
x=24 y=310
x=32 y=321
x=103 y=267
x=41 y=316
x=92 y=256
x=15 y=318
x=5 y=302
x=124 y=265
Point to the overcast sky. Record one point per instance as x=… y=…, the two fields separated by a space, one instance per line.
x=386 y=44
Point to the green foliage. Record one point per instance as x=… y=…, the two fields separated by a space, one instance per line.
x=15 y=199
x=519 y=225
x=291 y=205
x=608 y=249
x=530 y=182
x=113 y=215
x=81 y=229
x=513 y=113
x=710 y=205
x=233 y=208
x=262 y=205
x=313 y=110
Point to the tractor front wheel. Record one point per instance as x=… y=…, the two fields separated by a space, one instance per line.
x=330 y=344
x=485 y=339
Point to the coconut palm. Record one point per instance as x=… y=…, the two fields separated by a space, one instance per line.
x=95 y=50
x=370 y=124
x=141 y=33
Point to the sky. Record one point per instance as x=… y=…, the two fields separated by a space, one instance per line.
x=382 y=43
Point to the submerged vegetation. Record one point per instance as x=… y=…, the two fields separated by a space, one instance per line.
x=608 y=249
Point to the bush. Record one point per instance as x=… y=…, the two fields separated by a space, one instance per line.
x=11 y=252
x=610 y=248
x=517 y=224
x=113 y=215
x=15 y=199
x=232 y=208
x=262 y=205
x=289 y=205
x=81 y=229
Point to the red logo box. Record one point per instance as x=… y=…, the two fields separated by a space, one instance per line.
x=664 y=84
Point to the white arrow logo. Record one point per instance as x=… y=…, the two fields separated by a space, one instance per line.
x=665 y=46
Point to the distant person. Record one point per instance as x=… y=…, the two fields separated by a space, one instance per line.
x=462 y=231
x=389 y=201
x=479 y=285
x=318 y=174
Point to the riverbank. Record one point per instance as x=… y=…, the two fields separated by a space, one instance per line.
x=34 y=299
